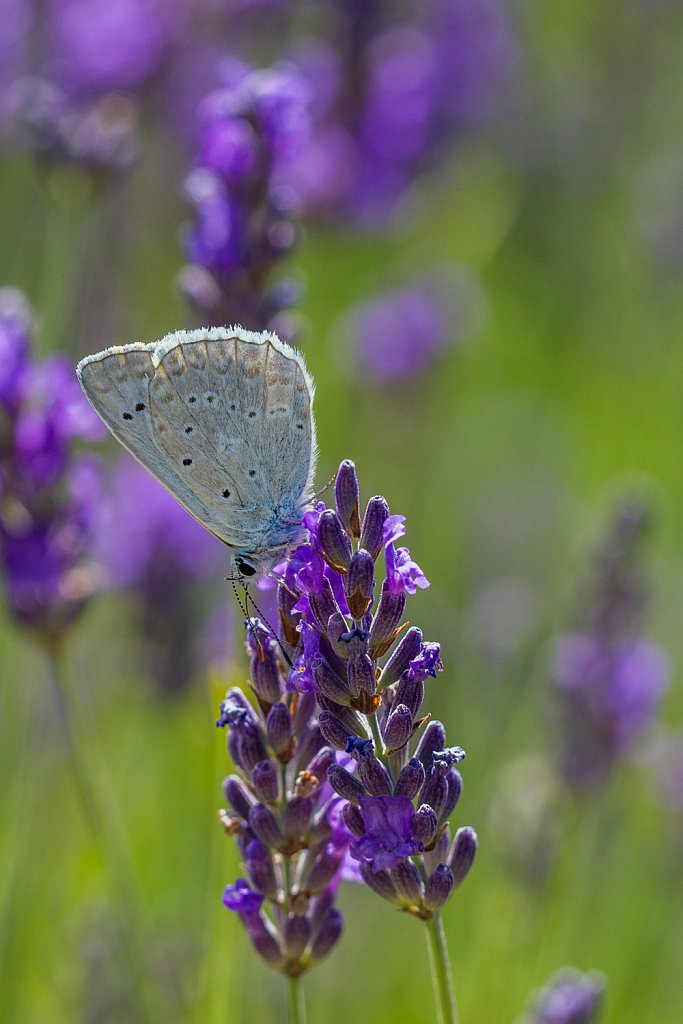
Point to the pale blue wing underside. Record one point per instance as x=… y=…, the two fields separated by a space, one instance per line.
x=221 y=417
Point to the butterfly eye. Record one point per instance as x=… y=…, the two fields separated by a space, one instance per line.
x=246 y=568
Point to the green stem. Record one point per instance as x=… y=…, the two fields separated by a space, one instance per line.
x=442 y=979
x=297 y=1004
x=108 y=844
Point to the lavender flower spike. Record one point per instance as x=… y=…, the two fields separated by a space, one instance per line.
x=335 y=729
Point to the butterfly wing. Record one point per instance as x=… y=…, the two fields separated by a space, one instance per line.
x=222 y=418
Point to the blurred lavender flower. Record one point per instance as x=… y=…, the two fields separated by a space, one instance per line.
x=569 y=998
x=156 y=551
x=610 y=679
x=97 y=136
x=339 y=714
x=80 y=106
x=251 y=130
x=104 y=46
x=401 y=333
x=389 y=95
x=50 y=498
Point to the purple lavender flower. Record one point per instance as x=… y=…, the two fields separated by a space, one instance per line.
x=387 y=840
x=339 y=705
x=251 y=130
x=609 y=679
x=51 y=498
x=569 y=998
x=242 y=899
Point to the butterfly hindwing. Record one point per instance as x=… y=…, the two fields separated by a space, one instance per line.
x=221 y=417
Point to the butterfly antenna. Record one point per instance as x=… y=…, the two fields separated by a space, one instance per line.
x=318 y=494
x=249 y=597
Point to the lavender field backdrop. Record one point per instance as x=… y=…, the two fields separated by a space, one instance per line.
x=469 y=217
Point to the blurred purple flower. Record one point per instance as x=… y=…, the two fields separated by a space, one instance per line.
x=610 y=680
x=251 y=130
x=51 y=498
x=101 y=46
x=569 y=998
x=15 y=26
x=388 y=96
x=98 y=135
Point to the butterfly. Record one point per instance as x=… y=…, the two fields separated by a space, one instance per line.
x=223 y=418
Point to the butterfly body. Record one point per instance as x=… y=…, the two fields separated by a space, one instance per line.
x=223 y=418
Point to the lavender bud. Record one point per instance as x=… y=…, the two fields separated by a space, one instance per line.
x=424 y=824
x=263 y=824
x=398 y=728
x=304 y=711
x=361 y=675
x=265 y=944
x=252 y=749
x=398 y=663
x=296 y=935
x=353 y=820
x=354 y=643
x=345 y=784
x=335 y=544
x=374 y=775
x=359 y=583
x=289 y=620
x=265 y=675
x=411 y=779
x=329 y=684
x=297 y=817
x=266 y=782
x=435 y=793
x=439 y=851
x=260 y=869
x=407 y=880
x=433 y=738
x=438 y=889
x=333 y=729
x=454 y=782
x=336 y=628
x=323 y=870
x=237 y=795
x=310 y=743
x=328 y=934
x=347 y=497
x=321 y=763
x=410 y=692
x=279 y=729
x=323 y=605
x=372 y=532
x=389 y=613
x=380 y=882
x=462 y=855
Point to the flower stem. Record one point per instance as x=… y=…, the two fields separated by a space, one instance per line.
x=108 y=844
x=297 y=1004
x=442 y=979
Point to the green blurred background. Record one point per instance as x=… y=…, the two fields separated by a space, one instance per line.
x=505 y=457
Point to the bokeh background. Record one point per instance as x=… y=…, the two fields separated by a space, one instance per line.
x=470 y=218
